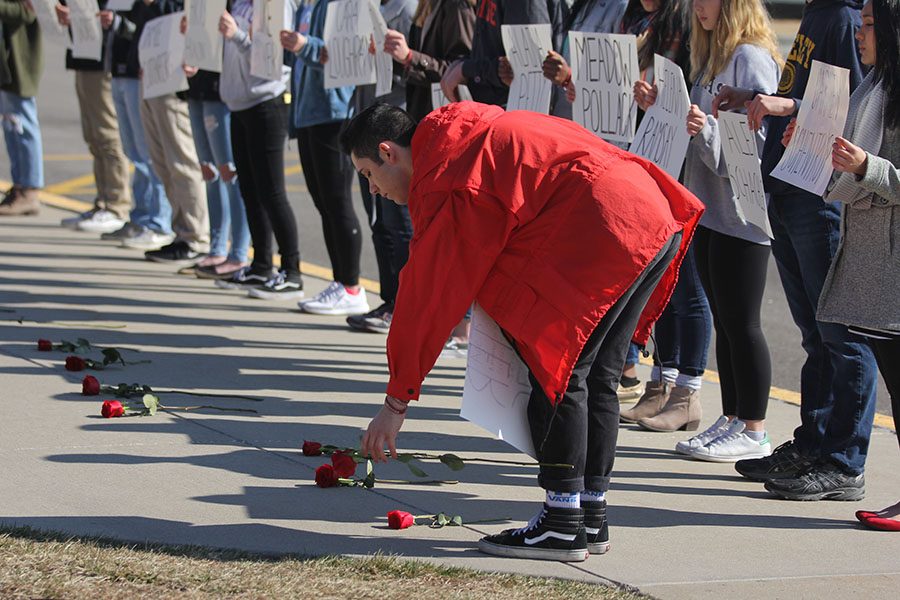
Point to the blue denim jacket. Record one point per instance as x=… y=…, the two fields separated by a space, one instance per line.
x=311 y=103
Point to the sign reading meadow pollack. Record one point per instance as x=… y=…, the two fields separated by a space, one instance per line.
x=348 y=32
x=604 y=69
x=203 y=42
x=807 y=159
x=266 y=53
x=87 y=38
x=526 y=48
x=662 y=137
x=161 y=51
x=741 y=158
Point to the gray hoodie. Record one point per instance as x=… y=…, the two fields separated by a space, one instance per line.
x=705 y=171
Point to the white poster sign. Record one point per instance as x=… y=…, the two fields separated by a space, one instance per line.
x=742 y=160
x=202 y=41
x=161 y=50
x=87 y=37
x=122 y=5
x=384 y=62
x=604 y=69
x=46 y=16
x=526 y=48
x=438 y=99
x=348 y=32
x=807 y=159
x=662 y=137
x=496 y=391
x=266 y=53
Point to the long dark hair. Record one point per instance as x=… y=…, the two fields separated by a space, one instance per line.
x=671 y=21
x=886 y=14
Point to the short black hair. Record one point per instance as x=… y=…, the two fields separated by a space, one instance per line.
x=378 y=123
x=886 y=14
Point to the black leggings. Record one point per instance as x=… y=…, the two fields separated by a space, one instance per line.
x=329 y=175
x=257 y=141
x=733 y=272
x=887 y=353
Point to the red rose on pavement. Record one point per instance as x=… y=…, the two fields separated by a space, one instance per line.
x=326 y=477
x=90 y=386
x=311 y=448
x=112 y=408
x=75 y=363
x=344 y=465
x=397 y=519
x=45 y=345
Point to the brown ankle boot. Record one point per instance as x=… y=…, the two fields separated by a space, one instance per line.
x=682 y=411
x=20 y=202
x=654 y=399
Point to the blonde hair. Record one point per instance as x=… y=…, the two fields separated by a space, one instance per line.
x=740 y=22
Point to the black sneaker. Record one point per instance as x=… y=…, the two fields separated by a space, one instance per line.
x=244 y=279
x=279 y=287
x=358 y=322
x=822 y=481
x=177 y=253
x=596 y=527
x=785 y=461
x=553 y=534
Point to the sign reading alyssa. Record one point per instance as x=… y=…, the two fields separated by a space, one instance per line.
x=662 y=137
x=202 y=41
x=161 y=51
x=604 y=69
x=87 y=38
x=348 y=31
x=266 y=53
x=526 y=47
x=807 y=159
x=739 y=148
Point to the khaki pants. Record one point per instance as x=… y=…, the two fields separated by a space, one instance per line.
x=101 y=133
x=167 y=127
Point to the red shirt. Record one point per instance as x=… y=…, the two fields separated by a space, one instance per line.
x=541 y=222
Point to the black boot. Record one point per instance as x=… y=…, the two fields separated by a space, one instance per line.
x=553 y=534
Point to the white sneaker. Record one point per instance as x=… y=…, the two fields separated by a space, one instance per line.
x=72 y=222
x=733 y=445
x=148 y=240
x=102 y=221
x=702 y=439
x=335 y=300
x=630 y=393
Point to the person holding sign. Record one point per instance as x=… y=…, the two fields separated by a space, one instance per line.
x=837 y=381
x=861 y=288
x=506 y=213
x=732 y=43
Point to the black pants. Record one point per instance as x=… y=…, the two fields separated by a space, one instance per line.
x=582 y=429
x=257 y=141
x=329 y=175
x=733 y=272
x=887 y=353
x=391 y=232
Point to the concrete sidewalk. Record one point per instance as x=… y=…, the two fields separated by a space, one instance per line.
x=680 y=528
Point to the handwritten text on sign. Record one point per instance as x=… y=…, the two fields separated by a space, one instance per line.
x=161 y=51
x=662 y=137
x=86 y=35
x=46 y=15
x=384 y=63
x=807 y=160
x=266 y=53
x=203 y=42
x=348 y=30
x=526 y=48
x=742 y=160
x=604 y=69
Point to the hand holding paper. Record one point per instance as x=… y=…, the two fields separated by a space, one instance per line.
x=730 y=98
x=696 y=120
x=848 y=158
x=292 y=41
x=556 y=69
x=644 y=94
x=763 y=106
x=395 y=45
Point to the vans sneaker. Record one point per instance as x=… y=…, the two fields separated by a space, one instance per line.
x=177 y=253
x=279 y=287
x=126 y=231
x=336 y=300
x=244 y=279
x=596 y=527
x=553 y=534
x=702 y=439
x=101 y=221
x=358 y=322
x=733 y=445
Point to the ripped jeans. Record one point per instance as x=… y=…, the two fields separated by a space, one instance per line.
x=22 y=133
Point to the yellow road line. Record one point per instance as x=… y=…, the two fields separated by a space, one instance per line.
x=69 y=185
x=791 y=397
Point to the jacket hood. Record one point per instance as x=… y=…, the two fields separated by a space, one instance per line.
x=820 y=4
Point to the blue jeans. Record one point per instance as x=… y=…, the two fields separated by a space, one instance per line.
x=23 y=139
x=151 y=207
x=837 y=381
x=684 y=329
x=211 y=126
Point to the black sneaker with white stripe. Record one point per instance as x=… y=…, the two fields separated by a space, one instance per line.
x=244 y=279
x=279 y=287
x=553 y=534
x=596 y=527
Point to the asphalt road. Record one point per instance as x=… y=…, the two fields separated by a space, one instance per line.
x=68 y=172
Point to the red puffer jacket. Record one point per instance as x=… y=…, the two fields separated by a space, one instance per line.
x=541 y=222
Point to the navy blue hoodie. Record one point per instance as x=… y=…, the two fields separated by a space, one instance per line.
x=826 y=34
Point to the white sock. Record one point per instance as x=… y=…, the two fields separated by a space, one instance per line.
x=563 y=499
x=666 y=374
x=592 y=496
x=689 y=381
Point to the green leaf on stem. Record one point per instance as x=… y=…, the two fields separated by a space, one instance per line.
x=405 y=458
x=453 y=461
x=456 y=520
x=416 y=470
x=151 y=402
x=369 y=481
